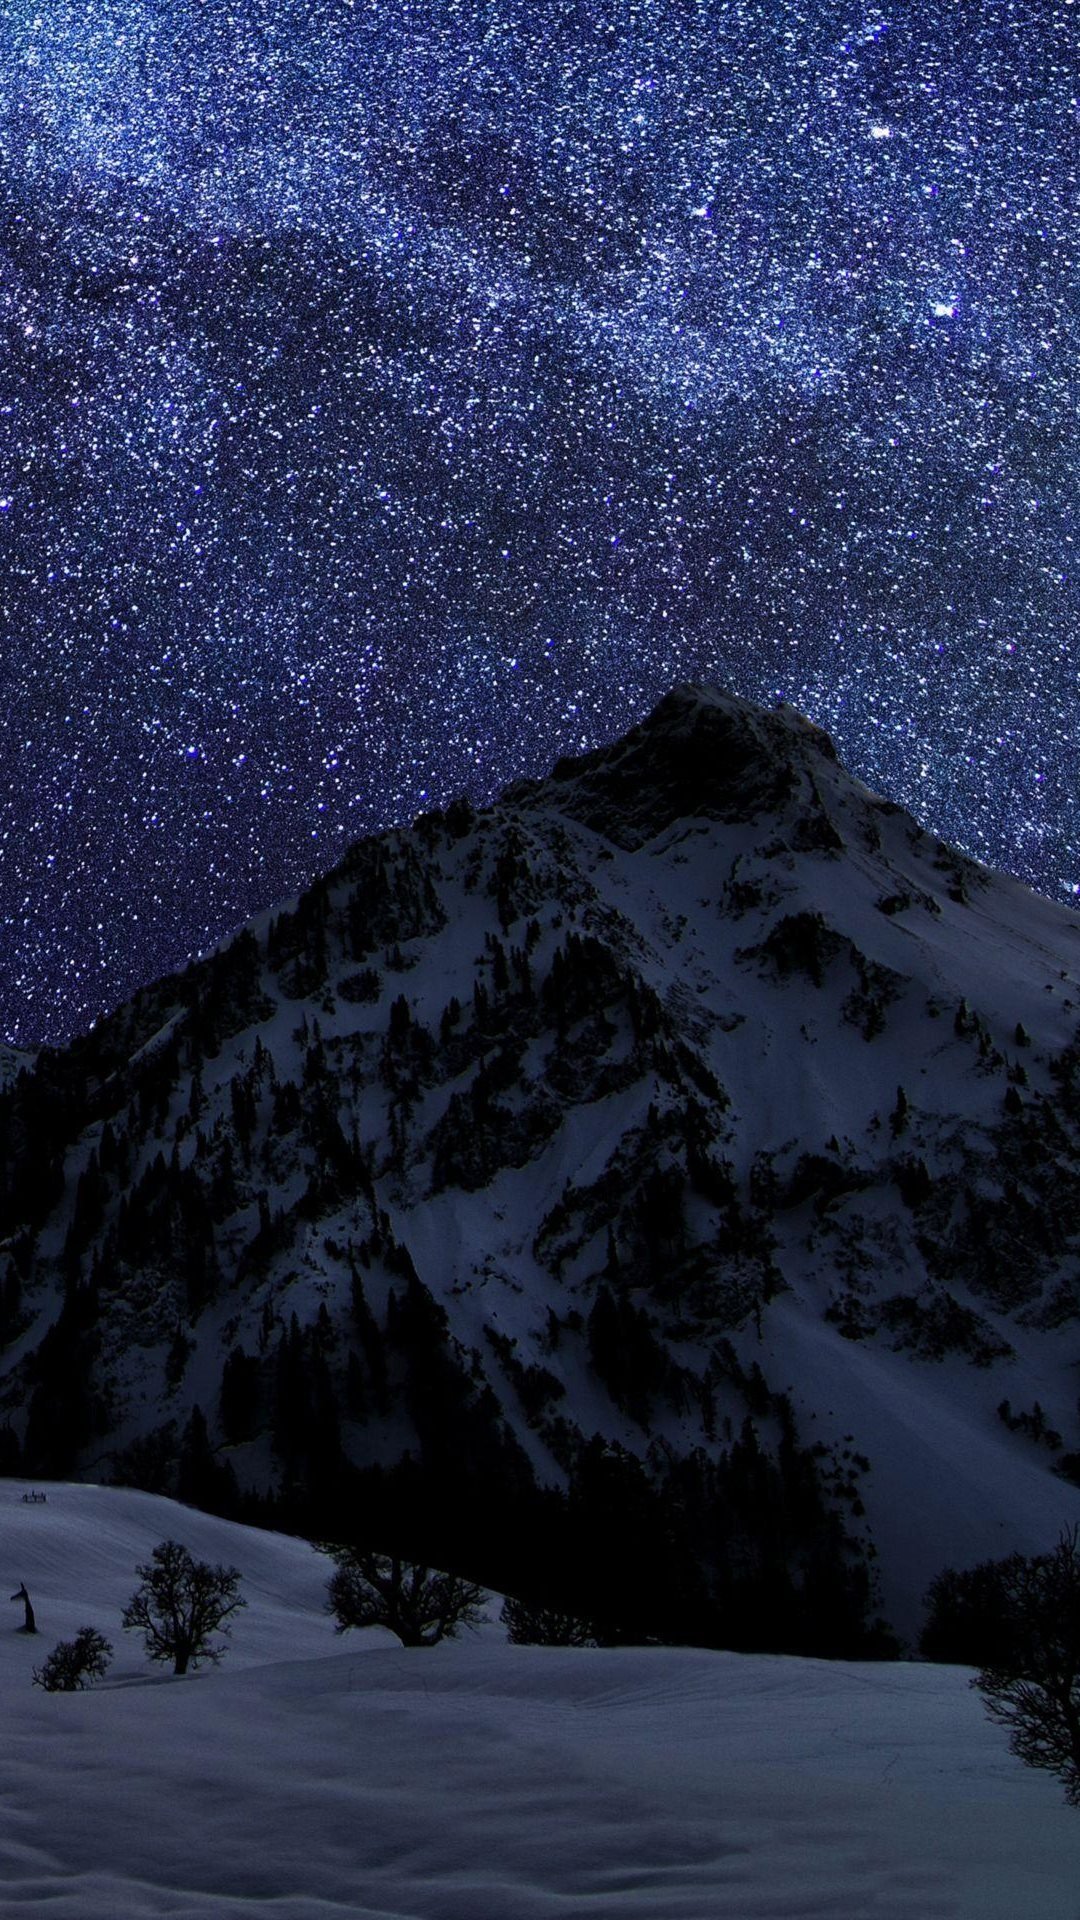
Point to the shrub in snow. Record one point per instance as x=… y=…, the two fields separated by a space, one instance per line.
x=74 y=1664
x=180 y=1603
x=380 y=1590
x=1033 y=1686
x=1018 y=1620
x=529 y=1626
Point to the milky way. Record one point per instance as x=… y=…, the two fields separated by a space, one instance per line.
x=394 y=397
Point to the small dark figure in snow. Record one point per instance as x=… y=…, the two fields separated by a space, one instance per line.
x=29 y=1625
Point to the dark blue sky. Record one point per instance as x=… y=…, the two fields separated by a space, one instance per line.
x=395 y=397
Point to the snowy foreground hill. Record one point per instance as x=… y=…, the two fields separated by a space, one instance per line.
x=658 y=1193
x=313 y=1776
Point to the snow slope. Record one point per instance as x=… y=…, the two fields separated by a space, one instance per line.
x=312 y=1776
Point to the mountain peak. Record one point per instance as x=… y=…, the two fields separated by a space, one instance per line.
x=700 y=710
x=701 y=754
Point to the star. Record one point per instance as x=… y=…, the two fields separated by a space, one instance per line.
x=393 y=401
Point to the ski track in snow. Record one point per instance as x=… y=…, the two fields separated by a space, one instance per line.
x=312 y=1777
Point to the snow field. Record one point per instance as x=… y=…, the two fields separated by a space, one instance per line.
x=314 y=1777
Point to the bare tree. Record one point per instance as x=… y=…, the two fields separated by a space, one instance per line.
x=380 y=1590
x=1033 y=1686
x=180 y=1603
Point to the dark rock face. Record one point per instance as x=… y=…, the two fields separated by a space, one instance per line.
x=696 y=757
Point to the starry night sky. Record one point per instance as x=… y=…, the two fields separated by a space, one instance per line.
x=396 y=396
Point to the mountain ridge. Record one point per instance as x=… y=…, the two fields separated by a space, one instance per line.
x=689 y=1117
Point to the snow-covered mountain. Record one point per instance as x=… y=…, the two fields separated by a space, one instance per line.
x=672 y=1171
x=354 y=1779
